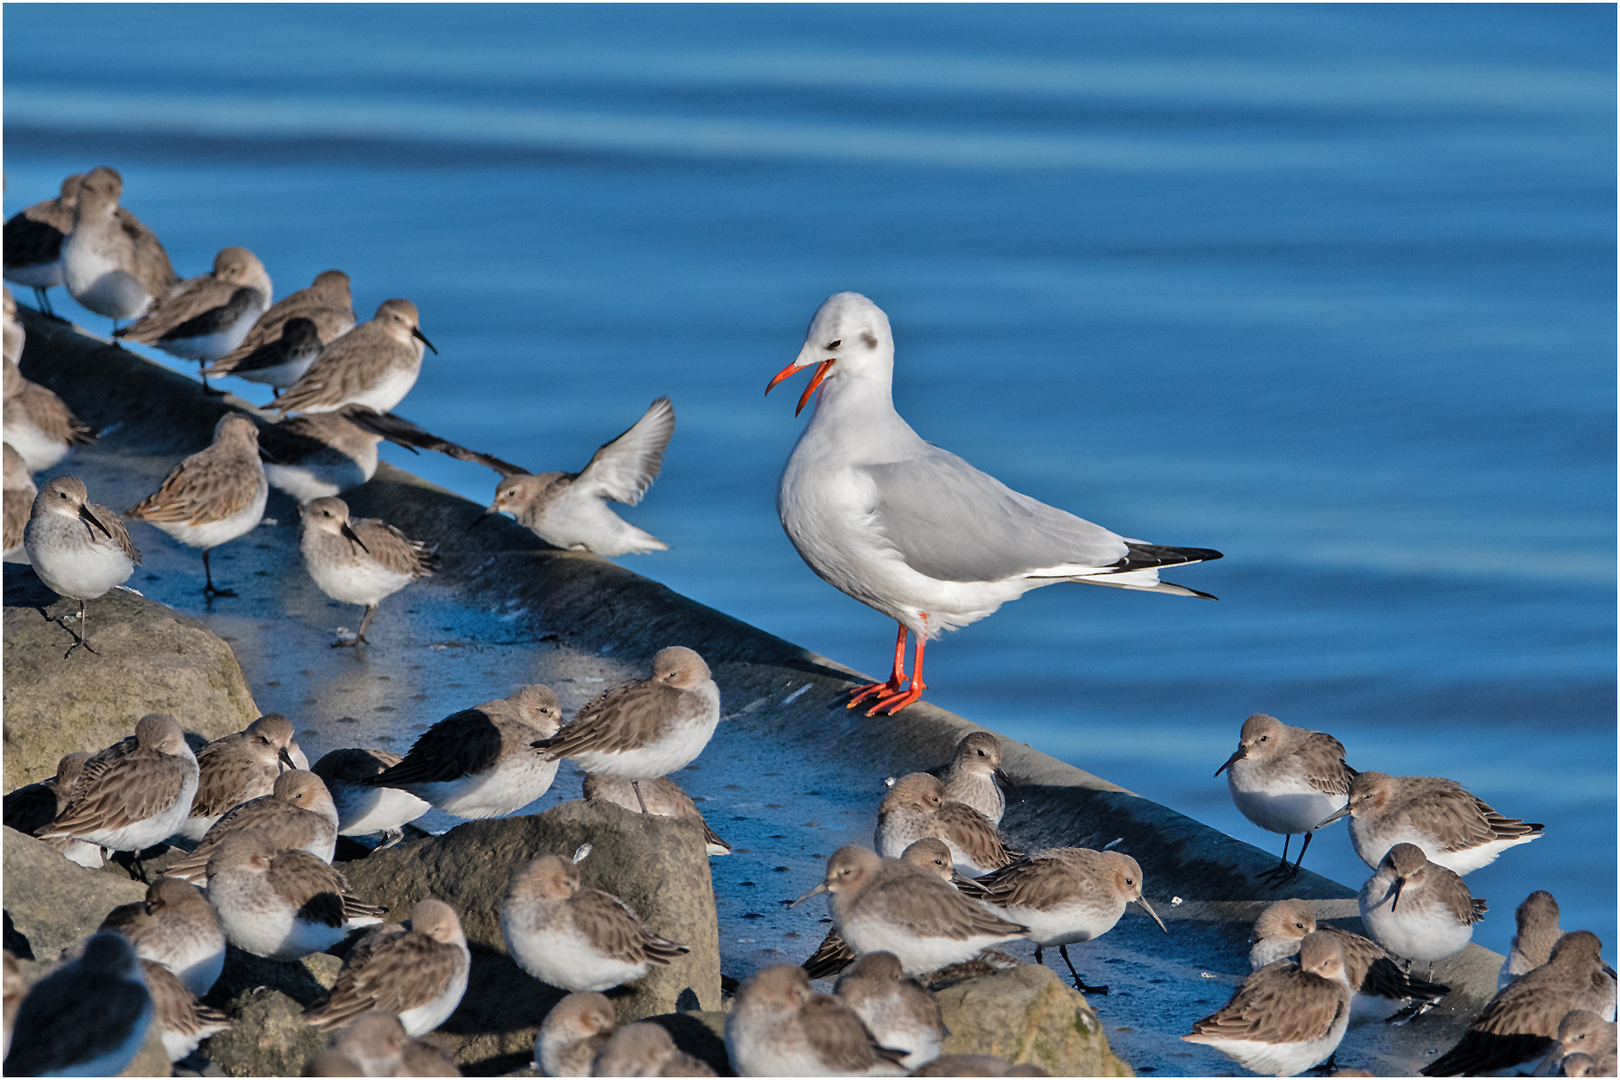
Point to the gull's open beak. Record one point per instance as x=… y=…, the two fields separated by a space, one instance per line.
x=819 y=888
x=1147 y=908
x=1343 y=811
x=286 y=759
x=90 y=519
x=352 y=535
x=1238 y=755
x=815 y=381
x=419 y=336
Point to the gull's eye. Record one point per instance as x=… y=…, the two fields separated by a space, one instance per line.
x=836 y=343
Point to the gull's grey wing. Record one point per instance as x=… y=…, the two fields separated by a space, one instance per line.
x=625 y=468
x=950 y=521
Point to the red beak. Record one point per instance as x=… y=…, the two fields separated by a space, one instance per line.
x=815 y=382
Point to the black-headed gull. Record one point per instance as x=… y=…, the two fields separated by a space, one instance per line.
x=912 y=530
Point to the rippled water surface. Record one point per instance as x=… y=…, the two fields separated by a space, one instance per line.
x=1330 y=289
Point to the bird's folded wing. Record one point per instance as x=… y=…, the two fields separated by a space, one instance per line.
x=952 y=522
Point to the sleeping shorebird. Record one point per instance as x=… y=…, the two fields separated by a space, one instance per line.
x=1454 y=827
x=912 y=530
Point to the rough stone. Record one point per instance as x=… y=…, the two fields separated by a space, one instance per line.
x=1028 y=1014
x=267 y=1037
x=656 y=865
x=53 y=903
x=152 y=659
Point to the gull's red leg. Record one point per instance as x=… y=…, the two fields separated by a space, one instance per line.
x=892 y=703
x=897 y=678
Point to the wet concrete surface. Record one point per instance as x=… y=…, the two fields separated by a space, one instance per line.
x=790 y=776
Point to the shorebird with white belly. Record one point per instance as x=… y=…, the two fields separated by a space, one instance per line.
x=135 y=793
x=1536 y=926
x=278 y=902
x=1285 y=780
x=1520 y=1024
x=974 y=776
x=112 y=264
x=359 y=560
x=1286 y=1017
x=31 y=808
x=276 y=353
x=239 y=767
x=644 y=728
x=375 y=365
x=416 y=971
x=916 y=807
x=571 y=1034
x=363 y=808
x=912 y=530
x=1454 y=827
x=897 y=1009
x=480 y=762
x=833 y=955
x=889 y=905
x=1065 y=895
x=182 y=1021
x=1418 y=909
x=298 y=813
x=177 y=927
x=572 y=936
x=213 y=496
x=87 y=1018
x=33 y=242
x=78 y=548
x=778 y=1026
x=207 y=316
x=38 y=424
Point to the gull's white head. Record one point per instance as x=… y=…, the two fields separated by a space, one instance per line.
x=848 y=336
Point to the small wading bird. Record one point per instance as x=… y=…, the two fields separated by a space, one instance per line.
x=914 y=531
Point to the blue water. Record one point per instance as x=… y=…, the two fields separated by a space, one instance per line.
x=1331 y=289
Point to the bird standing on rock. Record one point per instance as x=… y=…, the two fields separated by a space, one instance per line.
x=359 y=560
x=79 y=549
x=375 y=365
x=209 y=315
x=1285 y=780
x=213 y=496
x=644 y=728
x=912 y=530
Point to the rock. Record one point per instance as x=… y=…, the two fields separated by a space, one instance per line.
x=52 y=903
x=1028 y=1014
x=656 y=865
x=302 y=980
x=267 y=1037
x=153 y=659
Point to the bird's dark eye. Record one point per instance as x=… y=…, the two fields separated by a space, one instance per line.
x=835 y=343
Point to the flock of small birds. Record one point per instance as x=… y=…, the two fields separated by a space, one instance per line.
x=896 y=522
